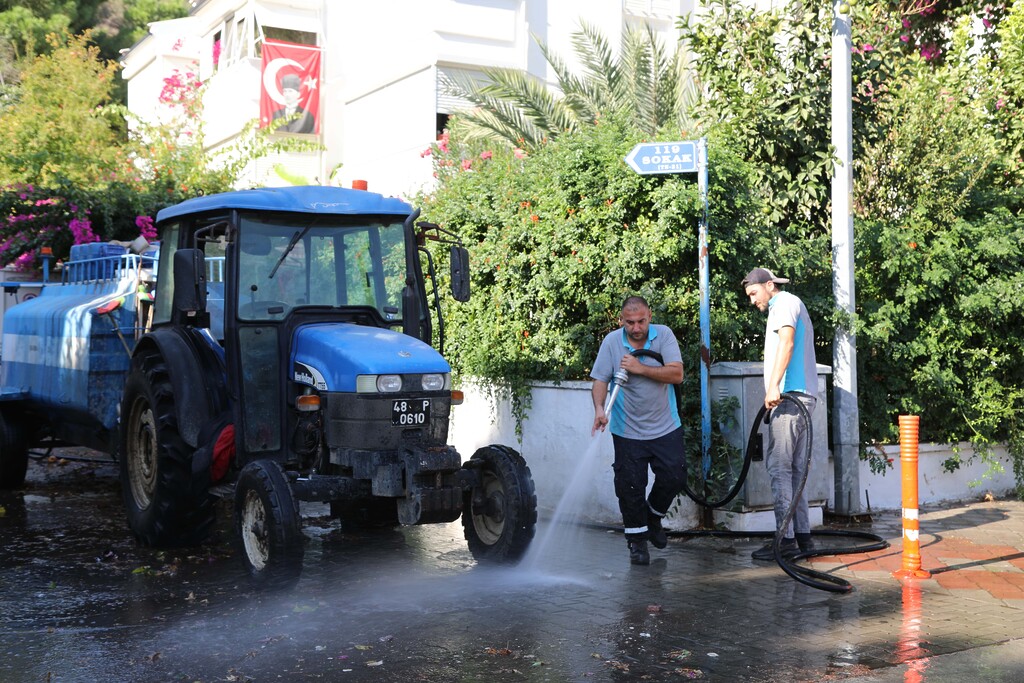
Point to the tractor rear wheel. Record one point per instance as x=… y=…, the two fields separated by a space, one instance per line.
x=13 y=452
x=500 y=513
x=156 y=462
x=267 y=525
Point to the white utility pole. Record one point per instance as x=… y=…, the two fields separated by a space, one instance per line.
x=845 y=413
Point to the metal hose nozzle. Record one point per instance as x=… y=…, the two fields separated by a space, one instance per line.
x=621 y=377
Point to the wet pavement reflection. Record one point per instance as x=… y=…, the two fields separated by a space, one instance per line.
x=79 y=601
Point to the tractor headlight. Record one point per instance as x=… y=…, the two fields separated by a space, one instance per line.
x=388 y=384
x=434 y=382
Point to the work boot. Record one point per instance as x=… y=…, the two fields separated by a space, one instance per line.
x=805 y=543
x=638 y=551
x=655 y=532
x=789 y=548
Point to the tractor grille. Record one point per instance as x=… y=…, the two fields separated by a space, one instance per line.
x=360 y=421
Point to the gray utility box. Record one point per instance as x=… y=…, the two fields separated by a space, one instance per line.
x=745 y=381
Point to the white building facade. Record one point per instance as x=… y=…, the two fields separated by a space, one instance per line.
x=385 y=64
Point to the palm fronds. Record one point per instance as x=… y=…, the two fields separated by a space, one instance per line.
x=644 y=83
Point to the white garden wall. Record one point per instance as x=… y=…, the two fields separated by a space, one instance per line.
x=556 y=438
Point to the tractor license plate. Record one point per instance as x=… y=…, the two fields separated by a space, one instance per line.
x=410 y=412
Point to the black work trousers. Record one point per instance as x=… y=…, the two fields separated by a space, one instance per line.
x=665 y=458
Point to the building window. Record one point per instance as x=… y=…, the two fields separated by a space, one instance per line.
x=287 y=35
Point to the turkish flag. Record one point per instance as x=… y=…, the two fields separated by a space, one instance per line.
x=290 y=89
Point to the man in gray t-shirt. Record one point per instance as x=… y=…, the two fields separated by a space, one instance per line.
x=644 y=421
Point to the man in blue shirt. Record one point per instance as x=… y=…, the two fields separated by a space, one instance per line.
x=644 y=420
x=789 y=367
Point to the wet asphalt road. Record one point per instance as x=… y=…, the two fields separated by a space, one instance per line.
x=79 y=601
x=82 y=602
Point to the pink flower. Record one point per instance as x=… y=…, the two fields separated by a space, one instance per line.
x=82 y=231
x=518 y=153
x=25 y=261
x=426 y=153
x=868 y=47
x=467 y=164
x=986 y=23
x=930 y=52
x=1000 y=104
x=906 y=23
x=145 y=226
x=486 y=155
x=905 y=38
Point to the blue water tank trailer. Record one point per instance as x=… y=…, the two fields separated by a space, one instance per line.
x=281 y=345
x=66 y=352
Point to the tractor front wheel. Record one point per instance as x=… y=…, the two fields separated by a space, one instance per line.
x=500 y=513
x=267 y=525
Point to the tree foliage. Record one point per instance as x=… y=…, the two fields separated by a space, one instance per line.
x=112 y=24
x=61 y=123
x=771 y=99
x=935 y=195
x=938 y=235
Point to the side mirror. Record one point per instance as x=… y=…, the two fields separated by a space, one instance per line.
x=460 y=273
x=189 y=300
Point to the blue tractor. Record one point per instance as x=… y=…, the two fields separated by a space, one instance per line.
x=277 y=347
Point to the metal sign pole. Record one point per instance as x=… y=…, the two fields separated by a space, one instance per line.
x=705 y=309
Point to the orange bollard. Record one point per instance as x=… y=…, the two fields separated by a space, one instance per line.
x=909 y=427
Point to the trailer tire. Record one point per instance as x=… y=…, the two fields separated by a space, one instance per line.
x=499 y=516
x=13 y=453
x=156 y=463
x=267 y=525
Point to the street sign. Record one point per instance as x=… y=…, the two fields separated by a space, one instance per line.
x=664 y=157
